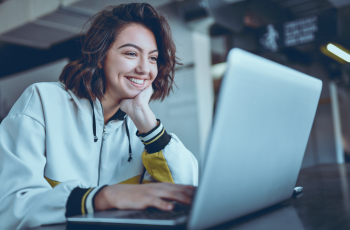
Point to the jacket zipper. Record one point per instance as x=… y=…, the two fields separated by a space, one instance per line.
x=99 y=161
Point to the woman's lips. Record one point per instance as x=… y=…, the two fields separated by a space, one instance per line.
x=136 y=82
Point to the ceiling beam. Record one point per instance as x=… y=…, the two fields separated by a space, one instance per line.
x=16 y=13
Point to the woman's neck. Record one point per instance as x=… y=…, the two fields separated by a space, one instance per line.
x=110 y=107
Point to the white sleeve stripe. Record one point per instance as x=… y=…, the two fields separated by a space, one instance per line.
x=153 y=134
x=88 y=203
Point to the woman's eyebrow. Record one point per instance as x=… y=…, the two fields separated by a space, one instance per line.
x=137 y=47
x=153 y=51
x=132 y=45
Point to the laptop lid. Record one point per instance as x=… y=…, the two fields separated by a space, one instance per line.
x=261 y=127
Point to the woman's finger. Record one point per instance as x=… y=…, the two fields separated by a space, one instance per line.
x=161 y=204
x=181 y=194
x=187 y=189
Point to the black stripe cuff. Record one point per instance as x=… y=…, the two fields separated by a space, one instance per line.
x=159 y=144
x=156 y=139
x=74 y=202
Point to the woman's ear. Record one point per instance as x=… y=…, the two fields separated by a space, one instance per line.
x=100 y=65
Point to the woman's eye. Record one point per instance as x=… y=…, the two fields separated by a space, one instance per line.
x=131 y=54
x=154 y=58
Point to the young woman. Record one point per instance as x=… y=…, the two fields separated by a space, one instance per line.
x=90 y=142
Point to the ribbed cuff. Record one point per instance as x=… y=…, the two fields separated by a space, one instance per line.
x=81 y=201
x=90 y=199
x=156 y=139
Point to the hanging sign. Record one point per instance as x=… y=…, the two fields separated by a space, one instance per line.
x=300 y=31
x=297 y=32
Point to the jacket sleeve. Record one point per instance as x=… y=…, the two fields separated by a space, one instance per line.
x=26 y=198
x=166 y=159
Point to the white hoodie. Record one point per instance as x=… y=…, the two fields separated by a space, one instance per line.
x=47 y=150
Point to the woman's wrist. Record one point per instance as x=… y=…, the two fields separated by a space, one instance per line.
x=144 y=119
x=101 y=202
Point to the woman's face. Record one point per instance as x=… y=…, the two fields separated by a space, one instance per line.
x=131 y=63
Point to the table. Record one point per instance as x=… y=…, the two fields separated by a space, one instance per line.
x=324 y=204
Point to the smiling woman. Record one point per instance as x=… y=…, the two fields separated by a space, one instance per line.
x=94 y=142
x=129 y=69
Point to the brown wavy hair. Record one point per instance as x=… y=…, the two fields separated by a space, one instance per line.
x=87 y=80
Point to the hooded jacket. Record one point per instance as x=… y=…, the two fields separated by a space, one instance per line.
x=56 y=153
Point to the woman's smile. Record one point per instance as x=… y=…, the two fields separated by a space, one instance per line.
x=137 y=82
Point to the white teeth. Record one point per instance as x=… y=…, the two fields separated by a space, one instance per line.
x=137 y=81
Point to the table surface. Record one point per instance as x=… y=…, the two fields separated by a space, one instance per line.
x=324 y=204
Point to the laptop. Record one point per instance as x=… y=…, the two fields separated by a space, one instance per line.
x=261 y=127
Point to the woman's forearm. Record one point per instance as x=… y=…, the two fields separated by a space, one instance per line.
x=144 y=119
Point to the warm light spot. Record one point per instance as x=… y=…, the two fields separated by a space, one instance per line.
x=339 y=52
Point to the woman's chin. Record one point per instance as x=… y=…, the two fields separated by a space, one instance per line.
x=132 y=95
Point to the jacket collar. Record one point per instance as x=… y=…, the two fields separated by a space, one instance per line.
x=119 y=115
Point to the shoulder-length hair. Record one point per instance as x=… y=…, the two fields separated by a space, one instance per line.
x=84 y=76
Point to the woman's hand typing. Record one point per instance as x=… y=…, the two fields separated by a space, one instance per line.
x=124 y=196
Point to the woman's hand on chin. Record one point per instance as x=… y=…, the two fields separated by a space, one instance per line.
x=139 y=112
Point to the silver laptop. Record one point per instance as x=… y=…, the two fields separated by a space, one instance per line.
x=254 y=153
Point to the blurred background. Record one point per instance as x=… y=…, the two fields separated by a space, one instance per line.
x=39 y=37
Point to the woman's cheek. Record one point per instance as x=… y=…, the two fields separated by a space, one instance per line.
x=155 y=73
x=152 y=80
x=148 y=83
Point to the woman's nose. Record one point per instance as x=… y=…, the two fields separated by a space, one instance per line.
x=143 y=66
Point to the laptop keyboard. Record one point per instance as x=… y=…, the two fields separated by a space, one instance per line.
x=156 y=214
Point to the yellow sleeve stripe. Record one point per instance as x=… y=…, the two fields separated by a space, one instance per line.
x=155 y=138
x=157 y=166
x=132 y=180
x=136 y=180
x=53 y=183
x=83 y=201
